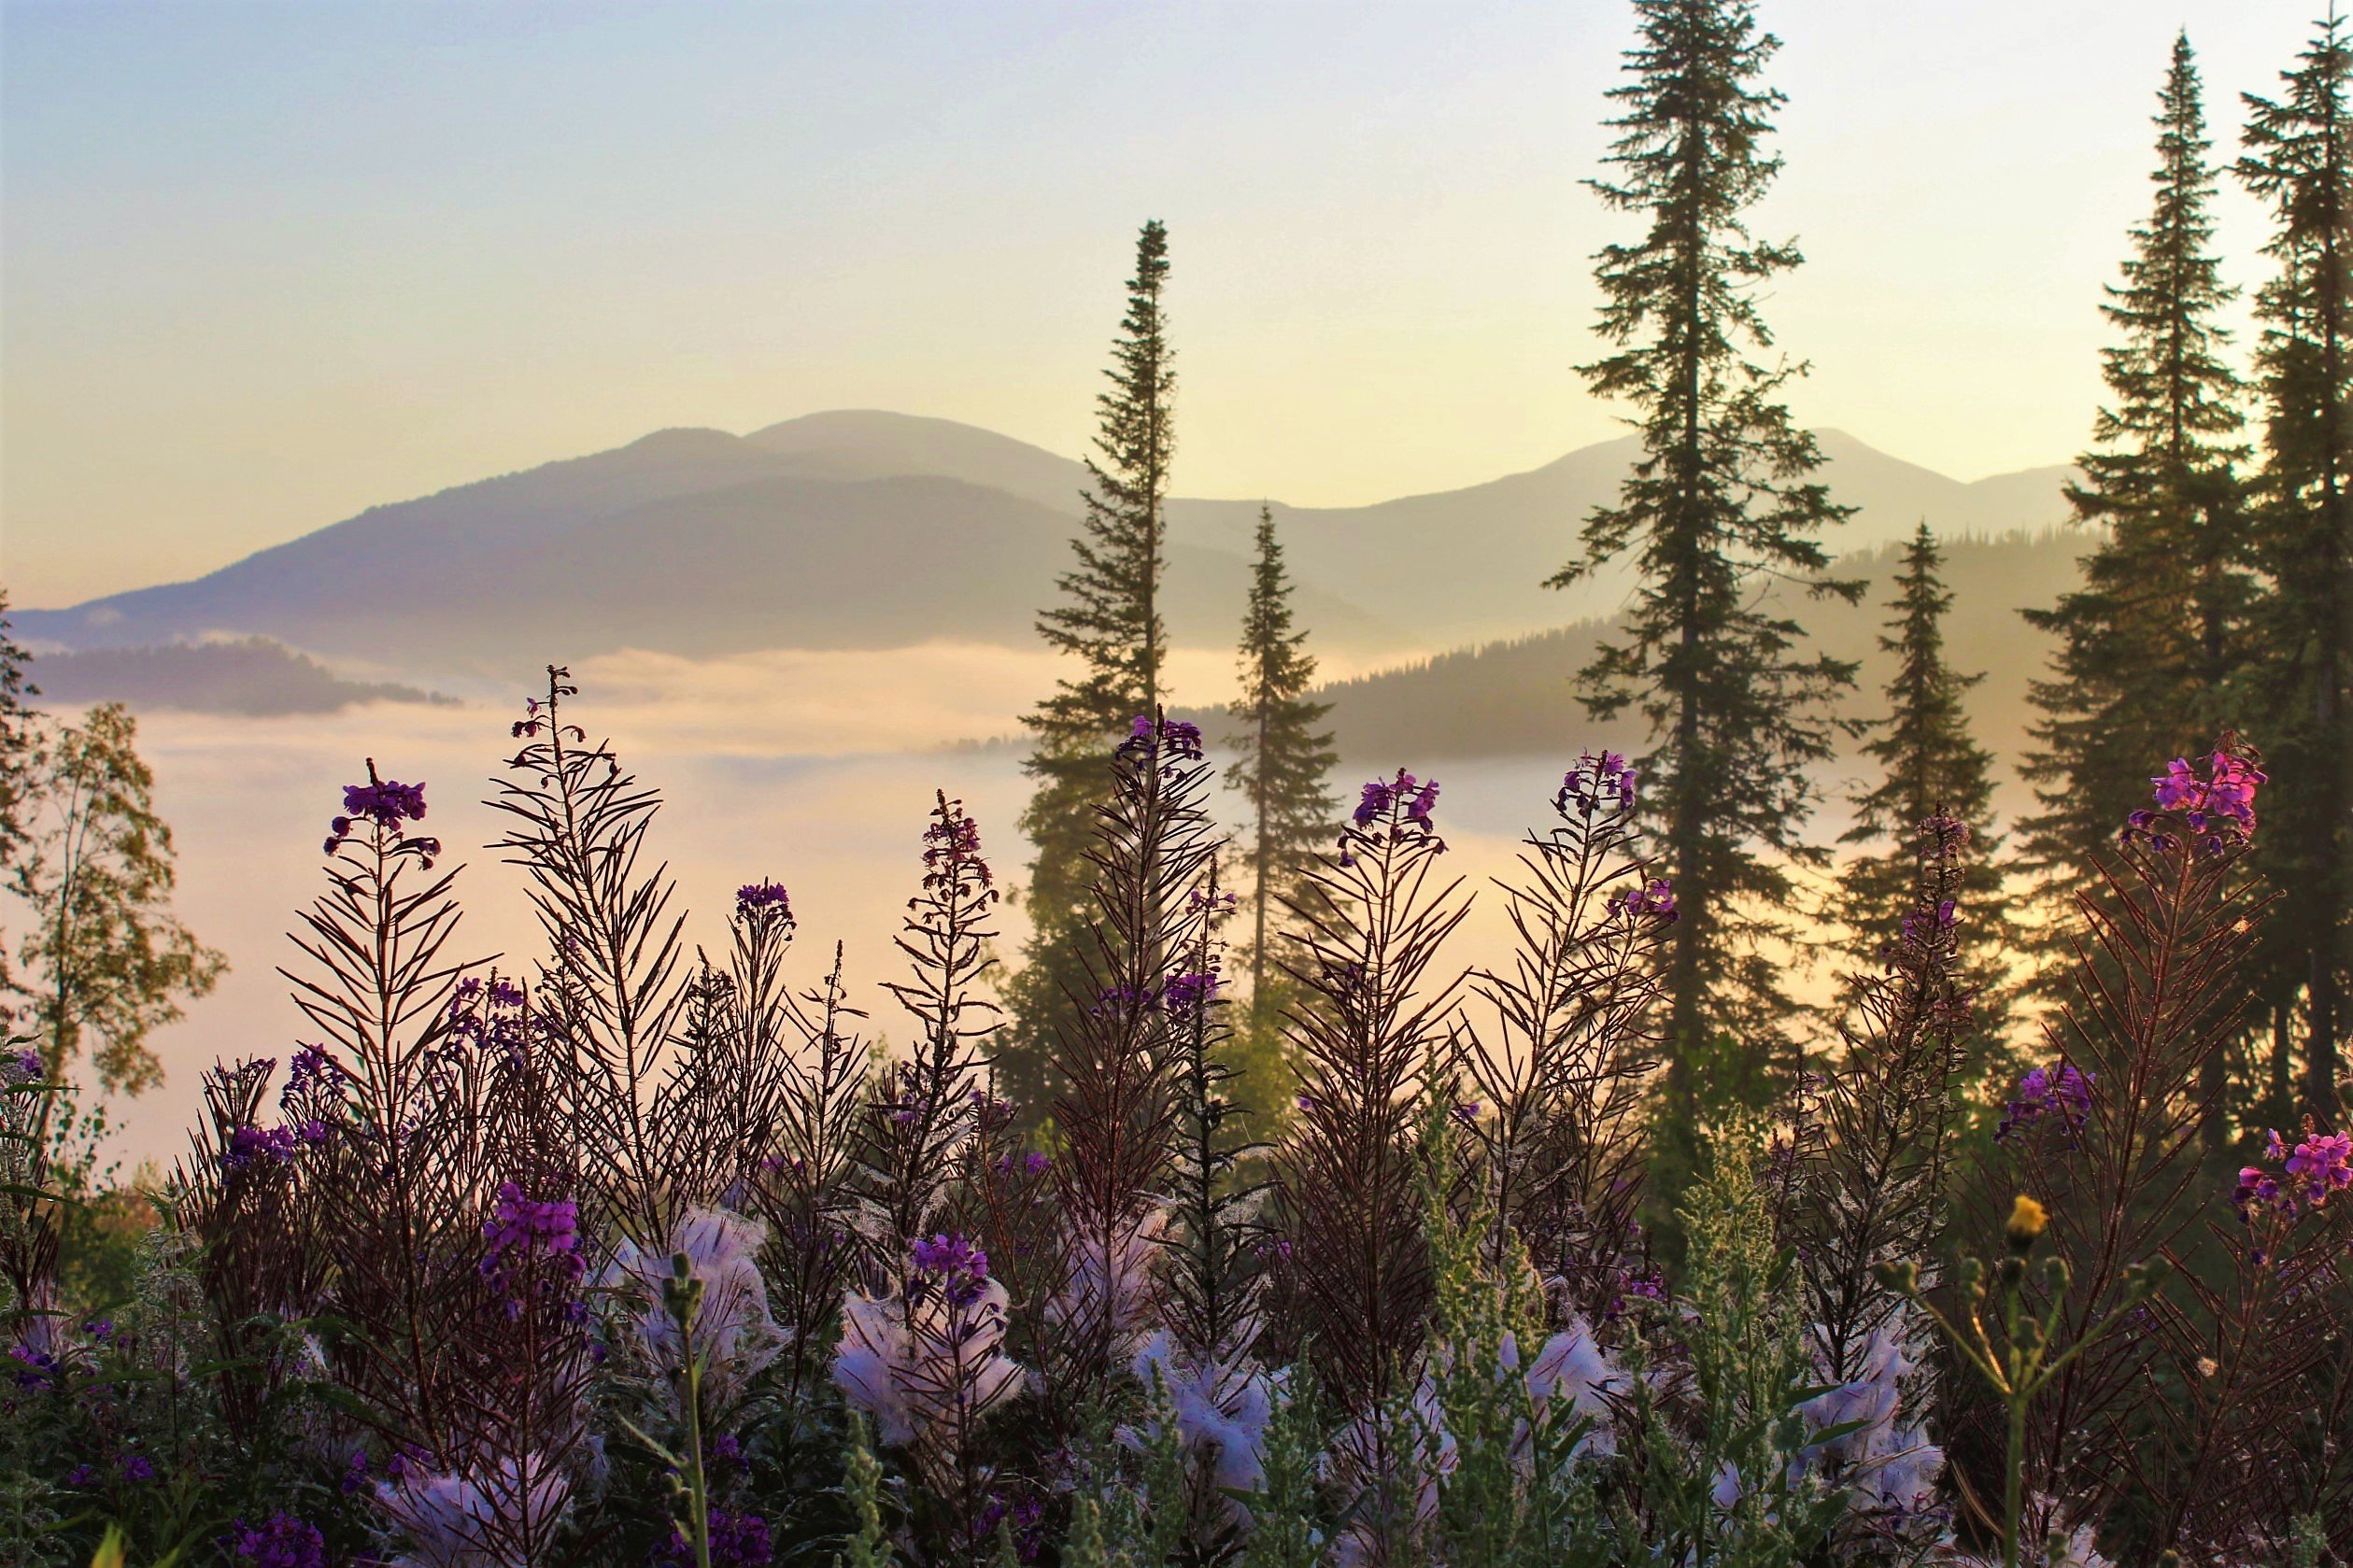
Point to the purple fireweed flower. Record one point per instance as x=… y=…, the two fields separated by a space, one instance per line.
x=2258 y=1189
x=755 y=896
x=2061 y=1090
x=1173 y=736
x=959 y=1268
x=550 y=1225
x=1603 y=783
x=1655 y=897
x=251 y=1145
x=737 y=1541
x=136 y=1470
x=1188 y=993
x=1412 y=796
x=1466 y=1112
x=386 y=802
x=310 y=1066
x=82 y=1476
x=952 y=845
x=35 y=1369
x=2217 y=804
x=24 y=1066
x=2324 y=1164
x=1025 y=1519
x=282 y=1542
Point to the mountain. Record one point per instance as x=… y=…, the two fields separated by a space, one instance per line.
x=252 y=676
x=871 y=444
x=866 y=529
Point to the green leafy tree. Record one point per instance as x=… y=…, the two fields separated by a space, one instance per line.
x=2299 y=161
x=2147 y=644
x=102 y=961
x=1723 y=501
x=1283 y=763
x=1933 y=764
x=1109 y=622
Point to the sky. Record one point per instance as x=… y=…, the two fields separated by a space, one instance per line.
x=262 y=266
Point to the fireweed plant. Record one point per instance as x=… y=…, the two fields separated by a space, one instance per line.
x=630 y=1252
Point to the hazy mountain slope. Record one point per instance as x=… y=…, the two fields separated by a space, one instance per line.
x=399 y=559
x=777 y=563
x=1468 y=565
x=252 y=676
x=871 y=444
x=696 y=541
x=1516 y=696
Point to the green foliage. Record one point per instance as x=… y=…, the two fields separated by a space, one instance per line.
x=1286 y=1515
x=104 y=961
x=2299 y=162
x=1109 y=621
x=868 y=1546
x=1724 y=499
x=2021 y=1357
x=1718 y=1485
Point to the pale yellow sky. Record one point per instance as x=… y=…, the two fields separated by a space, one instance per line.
x=267 y=265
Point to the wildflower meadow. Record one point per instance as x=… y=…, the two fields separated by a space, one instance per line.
x=633 y=1254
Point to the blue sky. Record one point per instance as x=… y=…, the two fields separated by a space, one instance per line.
x=267 y=264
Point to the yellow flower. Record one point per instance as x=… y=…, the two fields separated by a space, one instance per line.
x=2027 y=1220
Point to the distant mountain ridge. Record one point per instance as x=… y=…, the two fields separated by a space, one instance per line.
x=862 y=529
x=252 y=676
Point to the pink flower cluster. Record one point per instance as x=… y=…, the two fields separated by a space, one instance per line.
x=2217 y=804
x=755 y=898
x=2319 y=1169
x=2060 y=1089
x=1603 y=783
x=1174 y=736
x=1382 y=796
x=1655 y=899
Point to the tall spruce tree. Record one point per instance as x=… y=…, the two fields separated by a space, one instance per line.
x=1283 y=759
x=1932 y=764
x=1723 y=502
x=20 y=774
x=1109 y=621
x=2147 y=645
x=2299 y=161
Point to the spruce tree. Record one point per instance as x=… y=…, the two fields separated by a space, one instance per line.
x=1284 y=758
x=2148 y=643
x=1723 y=500
x=1281 y=757
x=20 y=771
x=1109 y=621
x=1933 y=764
x=2299 y=161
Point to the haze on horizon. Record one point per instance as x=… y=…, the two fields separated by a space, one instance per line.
x=267 y=265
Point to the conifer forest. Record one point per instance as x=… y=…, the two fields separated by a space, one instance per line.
x=1816 y=1179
